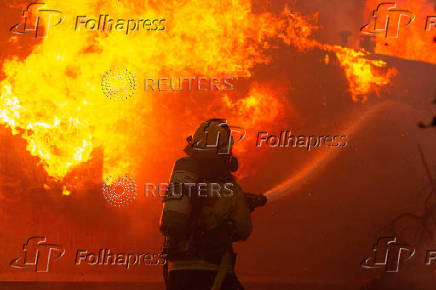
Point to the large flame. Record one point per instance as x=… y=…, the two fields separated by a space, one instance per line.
x=363 y=75
x=54 y=100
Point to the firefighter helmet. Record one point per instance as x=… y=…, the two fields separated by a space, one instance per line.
x=213 y=134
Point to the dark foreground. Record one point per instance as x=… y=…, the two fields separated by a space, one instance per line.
x=146 y=286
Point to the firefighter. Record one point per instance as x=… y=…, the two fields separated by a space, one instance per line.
x=200 y=227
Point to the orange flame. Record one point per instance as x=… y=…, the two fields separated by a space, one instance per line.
x=54 y=100
x=362 y=74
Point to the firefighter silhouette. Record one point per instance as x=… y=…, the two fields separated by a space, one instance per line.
x=200 y=226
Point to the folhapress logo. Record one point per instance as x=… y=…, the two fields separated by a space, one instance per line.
x=387 y=20
x=388 y=253
x=36 y=18
x=38 y=255
x=219 y=138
